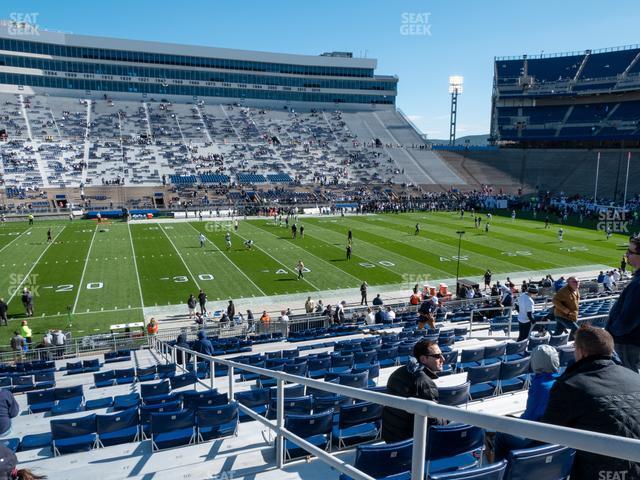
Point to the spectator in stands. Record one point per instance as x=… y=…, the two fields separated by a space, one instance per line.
x=391 y=314
x=8 y=409
x=487 y=279
x=265 y=319
x=415 y=297
x=59 y=340
x=152 y=327
x=382 y=316
x=25 y=331
x=600 y=278
x=427 y=313
x=231 y=310
x=203 y=344
x=525 y=312
x=565 y=307
x=558 y=284
x=319 y=307
x=17 y=345
x=338 y=313
x=4 y=308
x=607 y=282
x=415 y=379
x=598 y=395
x=377 y=302
x=200 y=319
x=251 y=324
x=370 y=317
x=545 y=363
x=9 y=467
x=624 y=317
x=182 y=342
x=363 y=293
x=202 y=300
x=191 y=305
x=309 y=305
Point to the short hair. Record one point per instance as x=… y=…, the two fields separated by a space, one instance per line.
x=594 y=341
x=423 y=347
x=635 y=240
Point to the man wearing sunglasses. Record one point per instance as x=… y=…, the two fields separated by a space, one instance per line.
x=624 y=317
x=415 y=379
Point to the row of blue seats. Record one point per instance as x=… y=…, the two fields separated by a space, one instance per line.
x=132 y=375
x=166 y=425
x=84 y=366
x=384 y=461
x=320 y=333
x=27 y=382
x=29 y=367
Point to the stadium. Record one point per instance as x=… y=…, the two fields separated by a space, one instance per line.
x=217 y=263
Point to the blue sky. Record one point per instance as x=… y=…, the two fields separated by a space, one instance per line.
x=462 y=37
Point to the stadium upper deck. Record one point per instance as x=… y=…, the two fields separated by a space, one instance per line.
x=589 y=97
x=54 y=62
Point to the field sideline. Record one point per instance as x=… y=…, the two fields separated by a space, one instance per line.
x=100 y=275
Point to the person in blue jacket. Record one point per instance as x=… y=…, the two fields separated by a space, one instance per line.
x=545 y=363
x=8 y=409
x=203 y=344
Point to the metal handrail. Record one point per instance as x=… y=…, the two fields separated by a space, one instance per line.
x=602 y=444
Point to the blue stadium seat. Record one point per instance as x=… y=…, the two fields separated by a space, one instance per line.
x=292 y=405
x=357 y=423
x=44 y=380
x=172 y=429
x=92 y=365
x=73 y=435
x=104 y=379
x=257 y=400
x=514 y=375
x=117 y=428
x=35 y=441
x=67 y=405
x=495 y=471
x=124 y=402
x=320 y=404
x=483 y=380
x=209 y=398
x=98 y=403
x=125 y=376
x=453 y=446
x=146 y=411
x=542 y=462
x=179 y=381
x=162 y=387
x=146 y=374
x=456 y=395
x=166 y=370
x=470 y=358
x=63 y=393
x=384 y=460
x=516 y=350
x=217 y=421
x=11 y=443
x=41 y=400
x=494 y=354
x=315 y=429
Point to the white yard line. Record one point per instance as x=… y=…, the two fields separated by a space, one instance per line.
x=307 y=252
x=34 y=265
x=86 y=262
x=180 y=255
x=135 y=265
x=17 y=237
x=290 y=269
x=230 y=261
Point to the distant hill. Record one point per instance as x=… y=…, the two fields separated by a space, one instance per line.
x=473 y=140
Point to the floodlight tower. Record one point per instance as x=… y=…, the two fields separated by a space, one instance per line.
x=455 y=88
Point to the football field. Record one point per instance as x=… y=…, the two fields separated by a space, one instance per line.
x=98 y=275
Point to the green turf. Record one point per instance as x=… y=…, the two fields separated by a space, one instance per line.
x=106 y=274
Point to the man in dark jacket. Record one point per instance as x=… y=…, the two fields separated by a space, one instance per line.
x=182 y=342
x=203 y=344
x=624 y=318
x=412 y=380
x=597 y=395
x=8 y=409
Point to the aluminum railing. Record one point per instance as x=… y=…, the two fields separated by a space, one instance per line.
x=599 y=443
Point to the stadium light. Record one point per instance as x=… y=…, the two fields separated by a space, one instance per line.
x=455 y=88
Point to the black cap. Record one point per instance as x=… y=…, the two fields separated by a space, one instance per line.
x=8 y=462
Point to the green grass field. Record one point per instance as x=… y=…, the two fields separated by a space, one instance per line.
x=107 y=277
